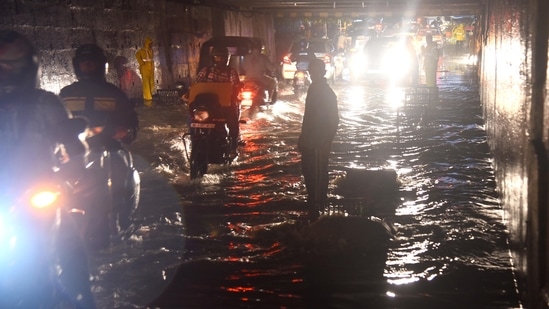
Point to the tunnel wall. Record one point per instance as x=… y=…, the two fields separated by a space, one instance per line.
x=513 y=88
x=503 y=81
x=58 y=27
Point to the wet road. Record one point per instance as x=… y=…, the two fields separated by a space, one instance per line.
x=239 y=238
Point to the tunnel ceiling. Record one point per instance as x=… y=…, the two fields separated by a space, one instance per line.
x=337 y=8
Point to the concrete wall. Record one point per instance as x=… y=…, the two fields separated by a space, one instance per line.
x=120 y=27
x=513 y=78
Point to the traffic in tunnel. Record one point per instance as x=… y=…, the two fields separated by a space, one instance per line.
x=358 y=170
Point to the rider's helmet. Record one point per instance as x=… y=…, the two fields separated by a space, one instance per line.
x=89 y=62
x=18 y=62
x=220 y=56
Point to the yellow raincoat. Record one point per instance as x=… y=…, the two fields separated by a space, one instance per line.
x=459 y=33
x=146 y=67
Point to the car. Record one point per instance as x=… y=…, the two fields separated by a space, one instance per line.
x=388 y=58
x=321 y=48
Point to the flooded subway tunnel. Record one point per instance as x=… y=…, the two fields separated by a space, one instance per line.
x=239 y=236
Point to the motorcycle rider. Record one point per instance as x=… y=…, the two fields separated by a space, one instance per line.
x=105 y=106
x=36 y=136
x=259 y=67
x=303 y=57
x=112 y=123
x=220 y=71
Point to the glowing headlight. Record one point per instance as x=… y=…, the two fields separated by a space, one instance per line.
x=396 y=63
x=43 y=199
x=358 y=63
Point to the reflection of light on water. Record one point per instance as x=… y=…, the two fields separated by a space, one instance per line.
x=212 y=179
x=181 y=144
x=263 y=115
x=409 y=255
x=287 y=110
x=394 y=96
x=404 y=171
x=354 y=165
x=467 y=59
x=157 y=129
x=164 y=168
x=356 y=97
x=410 y=208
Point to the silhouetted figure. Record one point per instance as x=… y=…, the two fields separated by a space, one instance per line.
x=320 y=122
x=430 y=53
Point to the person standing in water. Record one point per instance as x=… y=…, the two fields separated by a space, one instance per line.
x=319 y=127
x=144 y=57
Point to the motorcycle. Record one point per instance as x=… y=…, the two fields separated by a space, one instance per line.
x=111 y=191
x=301 y=83
x=212 y=115
x=254 y=95
x=43 y=263
x=302 y=80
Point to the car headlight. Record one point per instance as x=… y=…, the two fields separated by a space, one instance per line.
x=397 y=63
x=358 y=62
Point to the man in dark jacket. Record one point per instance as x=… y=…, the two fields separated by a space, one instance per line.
x=112 y=123
x=320 y=122
x=106 y=107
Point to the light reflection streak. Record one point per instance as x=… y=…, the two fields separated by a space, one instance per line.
x=287 y=111
x=355 y=98
x=397 y=275
x=394 y=97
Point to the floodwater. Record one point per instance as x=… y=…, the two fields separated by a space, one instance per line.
x=239 y=237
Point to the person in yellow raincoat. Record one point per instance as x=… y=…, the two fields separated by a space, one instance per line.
x=146 y=67
x=459 y=35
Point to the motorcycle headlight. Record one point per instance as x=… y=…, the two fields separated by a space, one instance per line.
x=43 y=199
x=201 y=115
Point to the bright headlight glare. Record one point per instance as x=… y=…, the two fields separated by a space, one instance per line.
x=43 y=199
x=396 y=63
x=2 y=227
x=358 y=62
